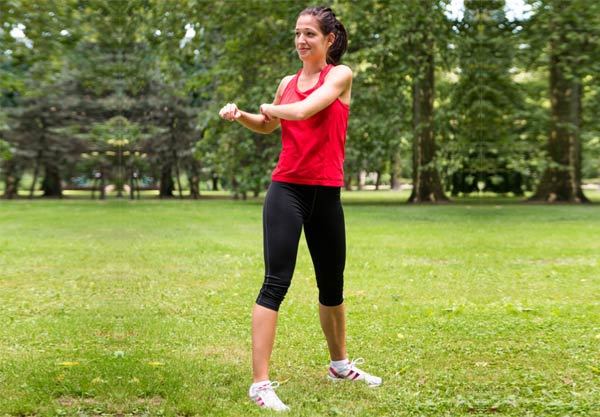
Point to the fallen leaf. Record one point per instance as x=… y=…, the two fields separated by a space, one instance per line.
x=567 y=380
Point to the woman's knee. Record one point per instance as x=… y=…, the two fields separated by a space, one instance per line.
x=273 y=291
x=331 y=289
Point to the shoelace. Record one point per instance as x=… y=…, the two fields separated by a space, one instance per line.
x=368 y=377
x=271 y=386
x=357 y=361
x=350 y=369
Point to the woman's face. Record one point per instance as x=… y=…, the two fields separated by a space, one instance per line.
x=310 y=42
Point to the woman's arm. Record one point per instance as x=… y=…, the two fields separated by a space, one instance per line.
x=336 y=83
x=256 y=122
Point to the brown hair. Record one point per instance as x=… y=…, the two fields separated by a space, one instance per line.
x=328 y=23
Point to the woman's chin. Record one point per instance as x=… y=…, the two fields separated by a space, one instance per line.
x=304 y=56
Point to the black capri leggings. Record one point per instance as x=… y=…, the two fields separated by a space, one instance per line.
x=286 y=209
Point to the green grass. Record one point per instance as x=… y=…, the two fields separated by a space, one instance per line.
x=143 y=308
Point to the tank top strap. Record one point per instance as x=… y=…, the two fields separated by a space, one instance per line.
x=324 y=73
x=293 y=83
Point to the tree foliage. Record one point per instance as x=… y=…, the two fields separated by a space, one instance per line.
x=456 y=104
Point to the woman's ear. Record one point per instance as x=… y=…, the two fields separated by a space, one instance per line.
x=330 y=39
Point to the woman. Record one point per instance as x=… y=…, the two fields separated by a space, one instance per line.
x=312 y=108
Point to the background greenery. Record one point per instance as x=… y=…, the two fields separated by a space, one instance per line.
x=103 y=92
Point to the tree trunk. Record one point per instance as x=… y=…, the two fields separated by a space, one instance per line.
x=359 y=183
x=166 y=182
x=135 y=185
x=131 y=190
x=348 y=183
x=120 y=181
x=395 y=177
x=175 y=156
x=457 y=183
x=96 y=183
x=516 y=184
x=35 y=175
x=102 y=185
x=38 y=160
x=377 y=179
x=194 y=186
x=177 y=174
x=11 y=180
x=561 y=181
x=237 y=193
x=215 y=182
x=51 y=184
x=427 y=186
x=194 y=180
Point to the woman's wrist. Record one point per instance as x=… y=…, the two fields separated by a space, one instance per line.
x=266 y=110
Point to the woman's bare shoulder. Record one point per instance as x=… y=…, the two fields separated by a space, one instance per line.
x=340 y=74
x=341 y=70
x=285 y=81
x=342 y=67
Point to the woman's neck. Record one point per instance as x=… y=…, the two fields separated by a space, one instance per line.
x=311 y=68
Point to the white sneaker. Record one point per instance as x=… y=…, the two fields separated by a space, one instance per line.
x=264 y=396
x=352 y=373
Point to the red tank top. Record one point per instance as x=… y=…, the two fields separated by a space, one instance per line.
x=312 y=149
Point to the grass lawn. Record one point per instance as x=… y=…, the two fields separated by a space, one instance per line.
x=143 y=308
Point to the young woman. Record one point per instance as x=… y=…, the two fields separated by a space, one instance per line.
x=312 y=108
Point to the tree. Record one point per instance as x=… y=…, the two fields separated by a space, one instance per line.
x=172 y=144
x=568 y=32
x=376 y=129
x=484 y=146
x=251 y=46
x=590 y=135
x=427 y=18
x=35 y=130
x=7 y=169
